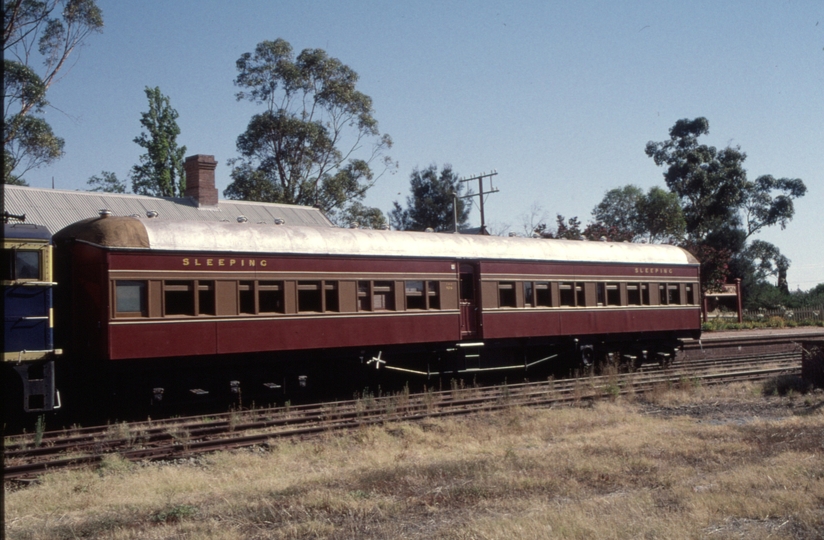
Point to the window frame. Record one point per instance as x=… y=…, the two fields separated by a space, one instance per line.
x=143 y=299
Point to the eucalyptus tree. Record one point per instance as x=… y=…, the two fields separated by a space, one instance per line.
x=631 y=214
x=315 y=141
x=39 y=37
x=107 y=182
x=432 y=201
x=722 y=207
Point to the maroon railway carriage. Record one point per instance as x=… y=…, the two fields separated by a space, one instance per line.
x=154 y=293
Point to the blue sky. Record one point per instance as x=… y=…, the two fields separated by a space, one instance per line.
x=559 y=97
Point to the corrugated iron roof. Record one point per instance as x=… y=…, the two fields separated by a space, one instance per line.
x=56 y=208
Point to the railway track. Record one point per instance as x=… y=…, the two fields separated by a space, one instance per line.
x=29 y=455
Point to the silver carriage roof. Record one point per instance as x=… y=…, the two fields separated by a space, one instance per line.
x=192 y=236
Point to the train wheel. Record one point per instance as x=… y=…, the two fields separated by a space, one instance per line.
x=587 y=356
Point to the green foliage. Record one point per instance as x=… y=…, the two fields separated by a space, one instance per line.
x=107 y=182
x=301 y=148
x=722 y=208
x=39 y=430
x=174 y=513
x=619 y=209
x=718 y=201
x=629 y=214
x=661 y=215
x=8 y=167
x=54 y=29
x=431 y=204
x=568 y=230
x=31 y=143
x=764 y=295
x=357 y=214
x=160 y=172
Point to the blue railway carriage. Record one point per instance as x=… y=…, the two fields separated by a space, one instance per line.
x=28 y=326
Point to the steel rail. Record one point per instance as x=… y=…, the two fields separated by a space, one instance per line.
x=109 y=438
x=349 y=415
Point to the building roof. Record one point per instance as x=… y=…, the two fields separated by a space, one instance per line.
x=56 y=208
x=234 y=237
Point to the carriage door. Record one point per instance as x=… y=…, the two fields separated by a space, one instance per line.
x=469 y=301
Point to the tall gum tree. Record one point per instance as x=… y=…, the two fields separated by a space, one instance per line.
x=316 y=140
x=39 y=37
x=722 y=208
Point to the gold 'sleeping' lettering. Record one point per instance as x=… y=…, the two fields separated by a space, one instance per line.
x=243 y=263
x=653 y=270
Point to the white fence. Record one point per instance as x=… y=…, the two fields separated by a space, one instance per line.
x=813 y=313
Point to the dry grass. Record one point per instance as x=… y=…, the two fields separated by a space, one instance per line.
x=688 y=462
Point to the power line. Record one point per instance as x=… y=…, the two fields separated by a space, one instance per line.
x=480 y=194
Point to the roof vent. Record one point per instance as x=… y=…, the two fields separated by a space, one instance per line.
x=279 y=221
x=354 y=225
x=386 y=227
x=242 y=219
x=513 y=234
x=429 y=229
x=104 y=212
x=603 y=239
x=151 y=214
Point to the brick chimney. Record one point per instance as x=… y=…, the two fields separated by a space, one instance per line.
x=200 y=179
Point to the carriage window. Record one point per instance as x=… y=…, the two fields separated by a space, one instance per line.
x=529 y=299
x=432 y=295
x=270 y=296
x=205 y=297
x=633 y=294
x=414 y=295
x=506 y=294
x=330 y=291
x=383 y=296
x=130 y=298
x=613 y=294
x=567 y=295
x=309 y=296
x=543 y=294
x=246 y=297
x=21 y=264
x=691 y=295
x=376 y=295
x=363 y=296
x=179 y=298
x=644 y=294
x=673 y=293
x=601 y=293
x=580 y=296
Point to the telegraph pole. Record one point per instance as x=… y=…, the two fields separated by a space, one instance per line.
x=480 y=195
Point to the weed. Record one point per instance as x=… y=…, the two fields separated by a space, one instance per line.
x=114 y=464
x=429 y=399
x=180 y=435
x=174 y=514
x=786 y=385
x=688 y=384
x=612 y=390
x=39 y=429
